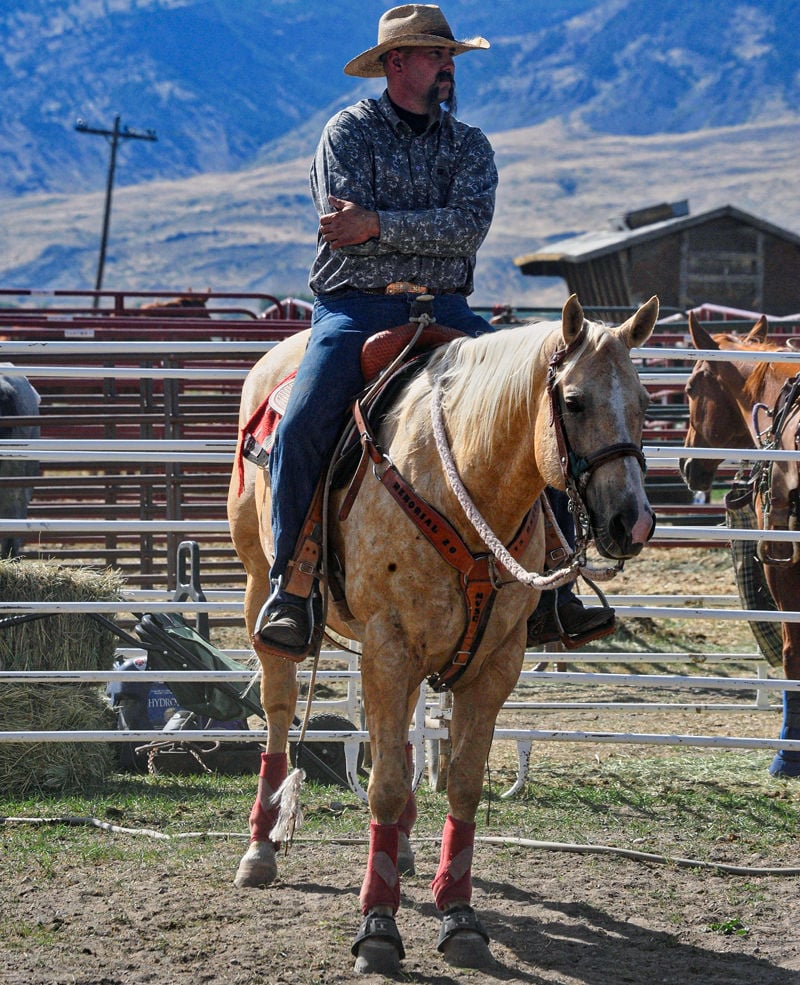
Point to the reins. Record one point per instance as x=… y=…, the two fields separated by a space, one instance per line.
x=553 y=580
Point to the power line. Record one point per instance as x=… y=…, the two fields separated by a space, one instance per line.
x=116 y=134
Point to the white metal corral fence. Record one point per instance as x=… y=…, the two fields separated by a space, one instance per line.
x=429 y=733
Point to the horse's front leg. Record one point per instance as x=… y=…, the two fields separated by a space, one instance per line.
x=378 y=948
x=462 y=939
x=258 y=866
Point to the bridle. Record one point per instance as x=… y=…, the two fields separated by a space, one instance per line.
x=579 y=469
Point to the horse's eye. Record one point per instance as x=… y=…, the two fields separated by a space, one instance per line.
x=573 y=403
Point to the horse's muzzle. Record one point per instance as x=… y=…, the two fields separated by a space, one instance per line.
x=626 y=533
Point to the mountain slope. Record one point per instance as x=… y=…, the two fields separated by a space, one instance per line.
x=255 y=230
x=228 y=85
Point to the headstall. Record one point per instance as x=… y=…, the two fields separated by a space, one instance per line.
x=578 y=469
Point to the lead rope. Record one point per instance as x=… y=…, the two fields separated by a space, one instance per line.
x=558 y=577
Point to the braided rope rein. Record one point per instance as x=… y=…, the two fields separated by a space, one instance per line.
x=561 y=575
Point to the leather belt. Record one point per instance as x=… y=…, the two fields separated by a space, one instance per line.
x=407 y=287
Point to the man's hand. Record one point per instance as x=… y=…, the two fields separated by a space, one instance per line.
x=349 y=225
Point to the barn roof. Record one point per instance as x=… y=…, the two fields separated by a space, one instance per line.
x=593 y=245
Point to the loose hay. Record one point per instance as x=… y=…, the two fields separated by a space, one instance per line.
x=54 y=642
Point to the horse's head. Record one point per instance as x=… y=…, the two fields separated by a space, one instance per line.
x=715 y=417
x=598 y=409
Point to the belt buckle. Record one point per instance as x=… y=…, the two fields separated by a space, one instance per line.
x=405 y=287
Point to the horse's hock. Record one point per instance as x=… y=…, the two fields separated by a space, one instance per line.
x=62 y=641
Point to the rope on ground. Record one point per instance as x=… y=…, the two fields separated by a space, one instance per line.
x=506 y=841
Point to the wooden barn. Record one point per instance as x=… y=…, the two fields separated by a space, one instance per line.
x=724 y=257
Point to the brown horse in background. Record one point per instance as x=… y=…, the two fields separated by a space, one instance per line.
x=189 y=305
x=730 y=406
x=500 y=402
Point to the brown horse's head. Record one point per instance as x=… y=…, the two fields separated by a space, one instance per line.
x=720 y=395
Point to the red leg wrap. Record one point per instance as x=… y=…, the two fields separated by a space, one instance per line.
x=381 y=885
x=406 y=820
x=453 y=882
x=272 y=774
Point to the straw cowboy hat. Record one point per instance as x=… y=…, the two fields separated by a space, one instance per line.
x=420 y=25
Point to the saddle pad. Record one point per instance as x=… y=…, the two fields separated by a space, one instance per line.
x=257 y=435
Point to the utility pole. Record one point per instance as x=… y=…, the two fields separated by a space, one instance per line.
x=117 y=134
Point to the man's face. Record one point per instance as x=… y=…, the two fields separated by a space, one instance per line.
x=430 y=74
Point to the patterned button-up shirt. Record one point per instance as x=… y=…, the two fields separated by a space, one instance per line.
x=434 y=194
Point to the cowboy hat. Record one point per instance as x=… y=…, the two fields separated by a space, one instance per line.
x=418 y=25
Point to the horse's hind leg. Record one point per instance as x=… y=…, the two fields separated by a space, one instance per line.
x=258 y=866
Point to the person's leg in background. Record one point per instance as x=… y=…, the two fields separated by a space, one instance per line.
x=561 y=605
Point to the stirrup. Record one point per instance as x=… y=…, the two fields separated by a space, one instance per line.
x=573 y=642
x=315 y=630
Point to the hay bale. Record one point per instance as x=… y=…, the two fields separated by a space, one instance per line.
x=57 y=642
x=61 y=641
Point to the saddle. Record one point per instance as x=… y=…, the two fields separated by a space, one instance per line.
x=379 y=351
x=257 y=437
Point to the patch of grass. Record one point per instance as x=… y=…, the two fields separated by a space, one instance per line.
x=19 y=934
x=721 y=807
x=720 y=804
x=730 y=927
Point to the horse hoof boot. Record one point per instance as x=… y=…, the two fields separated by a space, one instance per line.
x=258 y=866
x=784 y=768
x=405 y=856
x=462 y=940
x=378 y=949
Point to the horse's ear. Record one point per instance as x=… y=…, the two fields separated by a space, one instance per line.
x=571 y=319
x=758 y=333
x=700 y=337
x=639 y=327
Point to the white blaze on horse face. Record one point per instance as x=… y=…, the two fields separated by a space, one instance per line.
x=619 y=414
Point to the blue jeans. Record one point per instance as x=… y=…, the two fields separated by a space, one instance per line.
x=328 y=381
x=559 y=501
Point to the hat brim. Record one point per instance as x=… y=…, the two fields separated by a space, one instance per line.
x=368 y=65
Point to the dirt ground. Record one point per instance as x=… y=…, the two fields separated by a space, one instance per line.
x=553 y=918
x=174 y=916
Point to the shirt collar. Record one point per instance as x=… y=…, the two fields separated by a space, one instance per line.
x=399 y=125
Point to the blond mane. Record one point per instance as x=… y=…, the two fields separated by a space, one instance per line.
x=487 y=380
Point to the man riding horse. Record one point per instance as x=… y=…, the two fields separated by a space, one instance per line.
x=405 y=193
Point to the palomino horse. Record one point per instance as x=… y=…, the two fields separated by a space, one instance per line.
x=507 y=431
x=729 y=407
